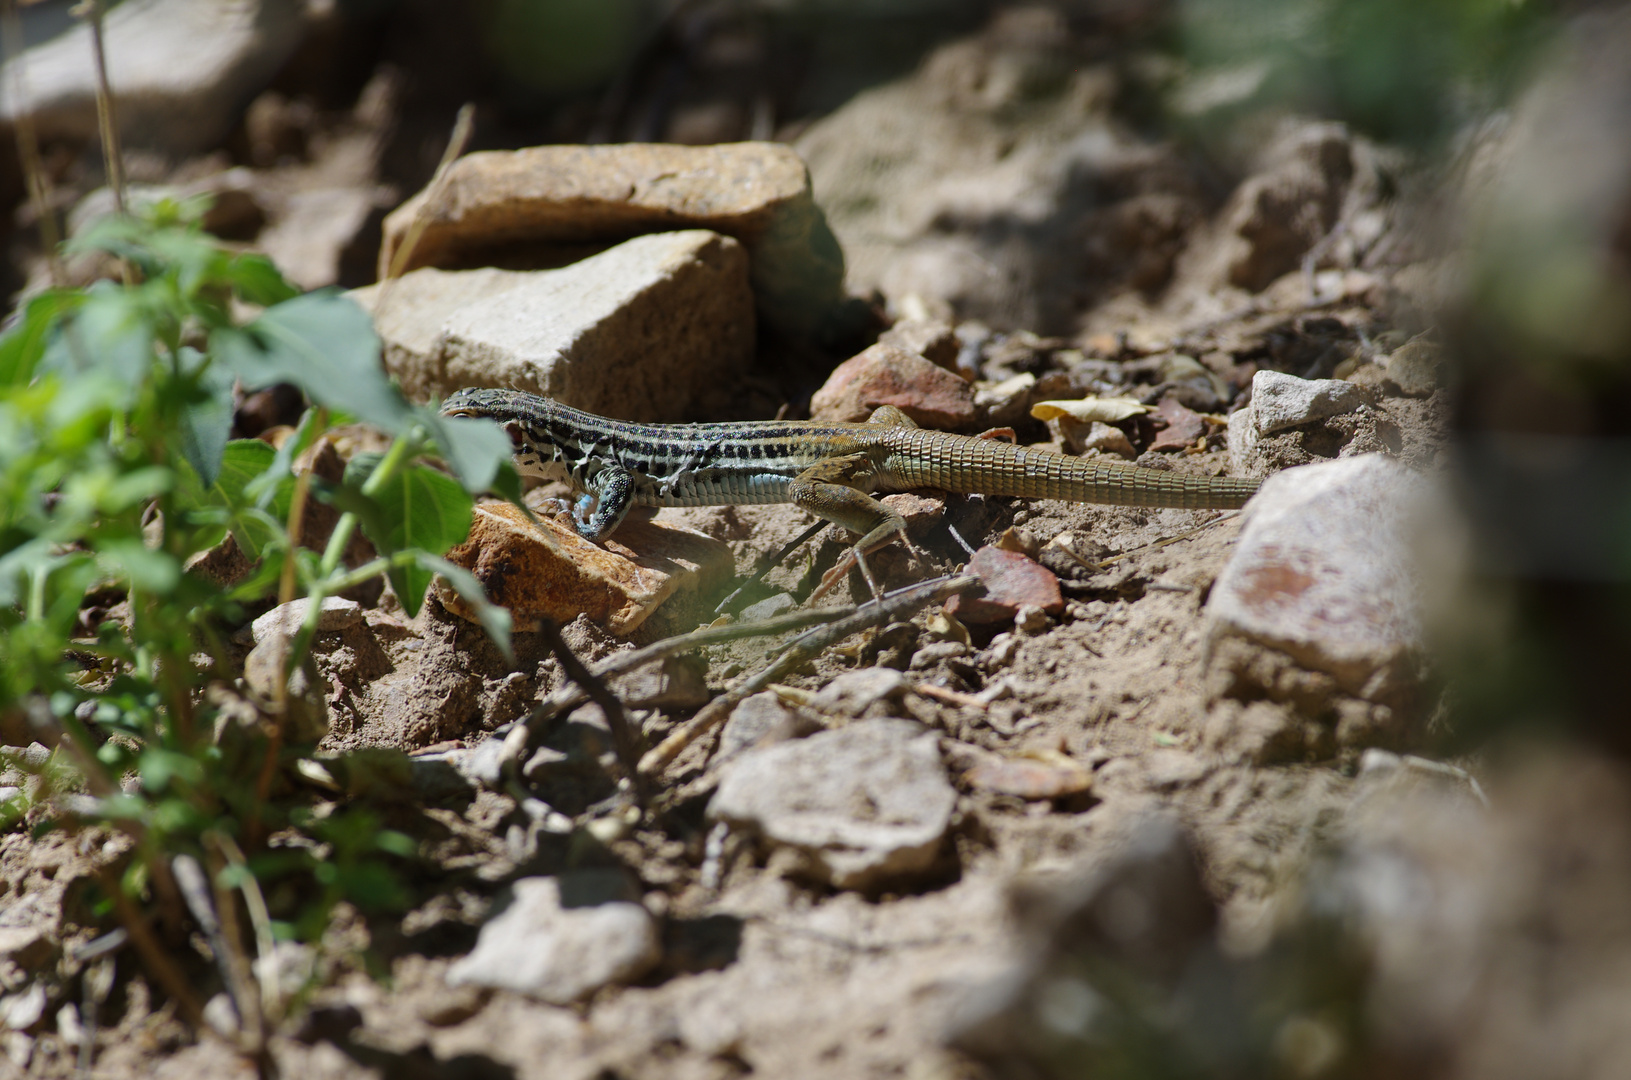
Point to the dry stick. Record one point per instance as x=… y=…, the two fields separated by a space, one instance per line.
x=897 y=605
x=766 y=562
x=153 y=955
x=463 y=125
x=624 y=737
x=573 y=694
x=28 y=145
x=106 y=115
x=213 y=916
x=260 y=918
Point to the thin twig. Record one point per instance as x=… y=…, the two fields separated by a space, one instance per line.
x=895 y=606
x=260 y=917
x=153 y=955
x=28 y=145
x=210 y=910
x=625 y=739
x=1163 y=542
x=573 y=694
x=463 y=126
x=107 y=115
x=767 y=562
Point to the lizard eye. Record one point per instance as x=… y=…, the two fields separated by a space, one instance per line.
x=518 y=438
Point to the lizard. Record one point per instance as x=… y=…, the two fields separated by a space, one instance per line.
x=830 y=469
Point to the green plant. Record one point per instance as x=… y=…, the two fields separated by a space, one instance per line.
x=116 y=470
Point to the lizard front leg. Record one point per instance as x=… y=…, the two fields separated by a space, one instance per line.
x=601 y=508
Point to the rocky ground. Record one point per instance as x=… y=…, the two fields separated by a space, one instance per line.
x=1183 y=793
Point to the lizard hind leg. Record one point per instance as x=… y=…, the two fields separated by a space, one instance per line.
x=889 y=416
x=828 y=490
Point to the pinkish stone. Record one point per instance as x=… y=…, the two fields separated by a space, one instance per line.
x=1184 y=426
x=1011 y=581
x=885 y=375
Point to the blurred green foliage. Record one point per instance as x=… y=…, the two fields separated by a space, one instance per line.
x=1406 y=71
x=117 y=469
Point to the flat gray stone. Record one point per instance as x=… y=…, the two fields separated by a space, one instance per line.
x=865 y=692
x=760 y=718
x=866 y=804
x=337 y=613
x=182 y=71
x=416 y=307
x=1417 y=367
x=1324 y=571
x=1281 y=401
x=636 y=332
x=559 y=939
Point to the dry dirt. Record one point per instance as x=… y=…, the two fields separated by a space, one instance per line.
x=767 y=972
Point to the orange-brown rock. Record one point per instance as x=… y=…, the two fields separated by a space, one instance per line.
x=547 y=570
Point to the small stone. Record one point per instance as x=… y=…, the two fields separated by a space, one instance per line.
x=768 y=608
x=1096 y=435
x=1281 y=401
x=1031 y=620
x=1006 y=403
x=1417 y=367
x=560 y=939
x=1049 y=775
x=884 y=375
x=921 y=512
x=760 y=720
x=337 y=613
x=932 y=339
x=867 y=692
x=1011 y=581
x=1183 y=427
x=636 y=332
x=546 y=199
x=549 y=570
x=866 y=805
x=934 y=652
x=25 y=1008
x=1191 y=384
x=1288 y=204
x=1324 y=572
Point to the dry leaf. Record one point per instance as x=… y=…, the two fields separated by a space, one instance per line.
x=1108 y=410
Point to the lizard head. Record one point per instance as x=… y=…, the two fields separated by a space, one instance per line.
x=526 y=418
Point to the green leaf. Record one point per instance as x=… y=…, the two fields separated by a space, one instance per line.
x=475 y=448
x=153 y=571
x=324 y=343
x=22 y=346
x=494 y=619
x=110 y=333
x=206 y=425
x=423 y=510
x=242 y=460
x=258 y=281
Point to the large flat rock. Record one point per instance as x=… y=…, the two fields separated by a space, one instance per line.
x=636 y=332
x=866 y=805
x=522 y=205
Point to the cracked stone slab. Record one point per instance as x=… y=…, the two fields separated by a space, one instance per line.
x=559 y=939
x=866 y=804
